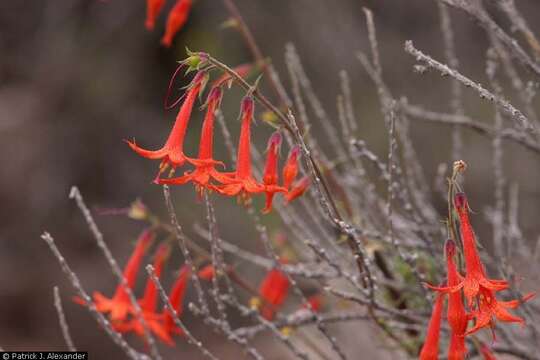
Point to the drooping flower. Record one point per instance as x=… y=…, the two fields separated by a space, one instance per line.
x=290 y=170
x=273 y=291
x=477 y=288
x=430 y=349
x=172 y=153
x=176 y=297
x=475 y=278
x=456 y=314
x=205 y=164
x=153 y=8
x=270 y=175
x=119 y=306
x=176 y=20
x=298 y=189
x=243 y=183
x=152 y=319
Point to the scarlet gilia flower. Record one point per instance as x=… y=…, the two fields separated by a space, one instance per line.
x=205 y=164
x=153 y=8
x=475 y=278
x=430 y=350
x=489 y=307
x=290 y=170
x=172 y=153
x=270 y=176
x=243 y=70
x=176 y=20
x=475 y=284
x=152 y=319
x=176 y=297
x=456 y=314
x=119 y=306
x=273 y=291
x=241 y=181
x=298 y=189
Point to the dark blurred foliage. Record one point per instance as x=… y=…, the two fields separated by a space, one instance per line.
x=78 y=76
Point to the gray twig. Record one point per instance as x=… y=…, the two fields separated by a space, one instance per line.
x=62 y=320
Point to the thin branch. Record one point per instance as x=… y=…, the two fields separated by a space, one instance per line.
x=419 y=113
x=503 y=104
x=62 y=320
x=475 y=9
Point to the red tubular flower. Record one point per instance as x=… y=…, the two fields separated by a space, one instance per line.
x=176 y=298
x=242 y=182
x=476 y=285
x=153 y=320
x=153 y=7
x=475 y=278
x=243 y=70
x=430 y=350
x=290 y=170
x=270 y=176
x=177 y=18
x=120 y=305
x=172 y=152
x=273 y=290
x=298 y=189
x=457 y=317
x=205 y=164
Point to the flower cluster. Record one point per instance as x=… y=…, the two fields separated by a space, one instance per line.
x=479 y=303
x=175 y=21
x=206 y=174
x=122 y=313
x=124 y=317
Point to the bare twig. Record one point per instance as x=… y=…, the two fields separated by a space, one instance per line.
x=464 y=121
x=503 y=104
x=62 y=320
x=475 y=9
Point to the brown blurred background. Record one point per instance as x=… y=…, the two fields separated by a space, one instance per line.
x=78 y=76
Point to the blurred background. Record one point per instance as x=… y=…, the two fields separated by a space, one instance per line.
x=78 y=76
